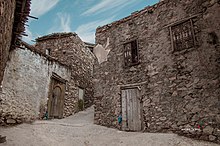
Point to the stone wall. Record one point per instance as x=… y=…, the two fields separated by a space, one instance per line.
x=7 y=9
x=26 y=85
x=179 y=89
x=69 y=49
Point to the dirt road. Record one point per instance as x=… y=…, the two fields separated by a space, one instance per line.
x=79 y=130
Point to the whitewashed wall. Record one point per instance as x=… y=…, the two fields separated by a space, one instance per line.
x=26 y=84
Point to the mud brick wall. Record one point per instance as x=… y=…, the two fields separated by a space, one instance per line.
x=26 y=85
x=69 y=49
x=180 y=90
x=7 y=9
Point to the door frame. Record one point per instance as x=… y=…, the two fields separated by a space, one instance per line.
x=141 y=105
x=62 y=86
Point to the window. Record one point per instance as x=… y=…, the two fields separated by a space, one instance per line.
x=91 y=49
x=0 y=90
x=81 y=93
x=81 y=99
x=182 y=35
x=48 y=51
x=131 y=53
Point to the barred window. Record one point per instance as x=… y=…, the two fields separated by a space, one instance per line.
x=131 y=53
x=182 y=35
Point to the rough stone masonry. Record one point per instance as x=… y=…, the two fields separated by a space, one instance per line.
x=173 y=62
x=26 y=84
x=59 y=60
x=7 y=10
x=69 y=49
x=13 y=15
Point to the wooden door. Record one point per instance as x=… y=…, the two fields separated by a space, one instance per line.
x=131 y=110
x=56 y=99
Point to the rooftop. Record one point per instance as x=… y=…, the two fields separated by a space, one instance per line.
x=148 y=9
x=22 y=12
x=56 y=36
x=24 y=45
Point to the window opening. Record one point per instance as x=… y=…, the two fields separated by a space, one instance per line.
x=131 y=53
x=182 y=35
x=48 y=51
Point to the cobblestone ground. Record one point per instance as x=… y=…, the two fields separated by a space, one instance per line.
x=79 y=130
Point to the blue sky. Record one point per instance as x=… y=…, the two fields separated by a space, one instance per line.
x=80 y=16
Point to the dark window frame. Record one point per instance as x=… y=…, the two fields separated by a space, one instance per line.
x=182 y=35
x=131 y=53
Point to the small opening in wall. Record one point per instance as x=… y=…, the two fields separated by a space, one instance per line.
x=150 y=11
x=91 y=49
x=0 y=88
x=182 y=35
x=213 y=38
x=131 y=53
x=81 y=98
x=48 y=51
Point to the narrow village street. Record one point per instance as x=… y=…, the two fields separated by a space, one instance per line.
x=79 y=130
x=149 y=65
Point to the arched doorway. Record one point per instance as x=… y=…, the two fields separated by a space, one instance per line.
x=56 y=98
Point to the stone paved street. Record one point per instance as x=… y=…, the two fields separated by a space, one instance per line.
x=79 y=130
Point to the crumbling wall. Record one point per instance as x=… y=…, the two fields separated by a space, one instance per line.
x=7 y=9
x=26 y=85
x=179 y=89
x=69 y=49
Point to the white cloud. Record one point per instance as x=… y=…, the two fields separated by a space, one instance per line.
x=62 y=23
x=87 y=31
x=31 y=36
x=82 y=2
x=40 y=7
x=65 y=22
x=106 y=5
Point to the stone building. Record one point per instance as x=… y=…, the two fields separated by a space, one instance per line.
x=69 y=49
x=52 y=79
x=31 y=84
x=90 y=46
x=160 y=70
x=13 y=15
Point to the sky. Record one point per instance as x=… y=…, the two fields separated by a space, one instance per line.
x=80 y=16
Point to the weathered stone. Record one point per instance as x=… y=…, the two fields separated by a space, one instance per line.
x=216 y=132
x=162 y=118
x=195 y=109
x=175 y=93
x=132 y=69
x=212 y=137
x=182 y=83
x=208 y=130
x=10 y=121
x=7 y=19
x=172 y=78
x=69 y=49
x=195 y=117
x=28 y=77
x=18 y=121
